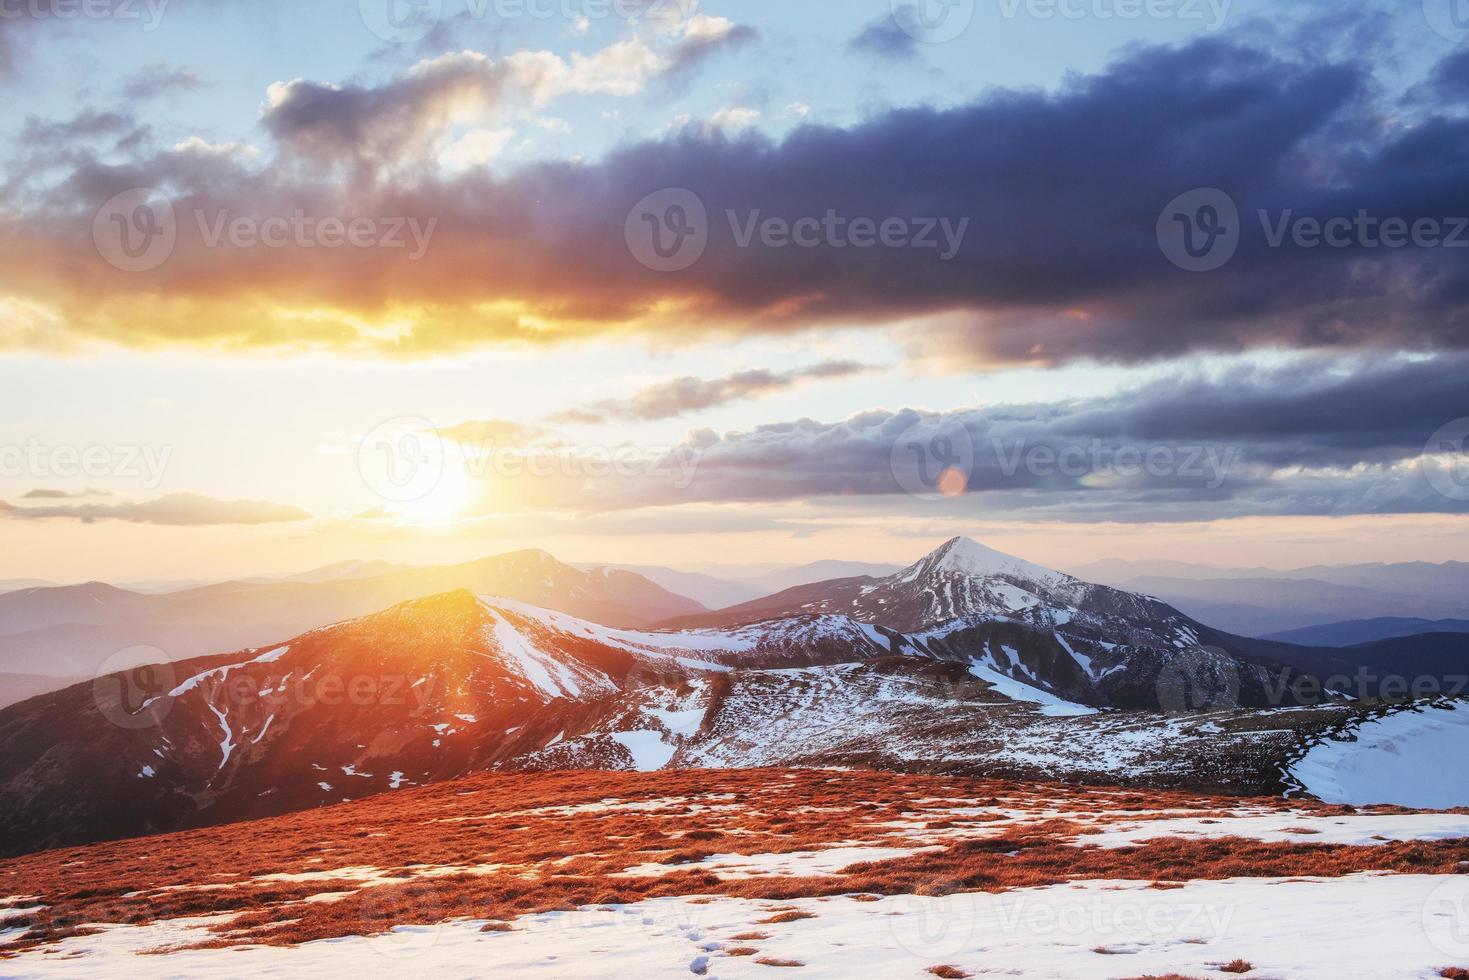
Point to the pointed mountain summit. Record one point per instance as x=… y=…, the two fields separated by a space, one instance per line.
x=965 y=556
x=960 y=579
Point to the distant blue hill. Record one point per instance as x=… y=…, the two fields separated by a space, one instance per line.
x=1354 y=631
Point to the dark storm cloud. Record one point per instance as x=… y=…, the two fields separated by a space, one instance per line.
x=1310 y=438
x=1058 y=195
x=1450 y=77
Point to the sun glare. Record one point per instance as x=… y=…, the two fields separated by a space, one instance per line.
x=444 y=503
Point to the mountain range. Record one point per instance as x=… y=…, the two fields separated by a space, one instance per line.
x=1356 y=631
x=71 y=631
x=1268 y=602
x=968 y=660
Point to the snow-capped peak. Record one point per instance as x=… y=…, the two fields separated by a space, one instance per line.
x=966 y=556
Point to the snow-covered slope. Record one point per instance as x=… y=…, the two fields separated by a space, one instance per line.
x=1083 y=643
x=960 y=580
x=422 y=692
x=1412 y=756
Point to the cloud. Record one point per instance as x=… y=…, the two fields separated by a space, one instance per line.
x=88 y=124
x=160 y=79
x=886 y=38
x=1450 y=77
x=174 y=510
x=1062 y=192
x=386 y=124
x=493 y=432
x=1313 y=437
x=45 y=494
x=682 y=396
x=704 y=37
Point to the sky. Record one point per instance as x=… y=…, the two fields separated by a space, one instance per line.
x=689 y=282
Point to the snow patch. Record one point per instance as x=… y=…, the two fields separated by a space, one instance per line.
x=649 y=751
x=1412 y=758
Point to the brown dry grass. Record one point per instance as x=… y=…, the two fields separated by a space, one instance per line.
x=556 y=859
